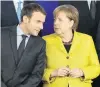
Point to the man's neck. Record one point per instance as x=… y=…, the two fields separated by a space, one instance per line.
x=22 y=26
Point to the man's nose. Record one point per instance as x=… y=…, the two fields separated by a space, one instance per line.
x=41 y=26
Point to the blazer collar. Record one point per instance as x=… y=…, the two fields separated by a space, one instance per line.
x=75 y=42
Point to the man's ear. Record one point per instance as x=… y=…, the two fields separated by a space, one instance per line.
x=25 y=19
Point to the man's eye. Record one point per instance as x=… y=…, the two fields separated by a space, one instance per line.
x=38 y=21
x=59 y=19
x=54 y=19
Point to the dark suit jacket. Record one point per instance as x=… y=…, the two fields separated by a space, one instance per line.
x=96 y=82
x=28 y=72
x=97 y=13
x=96 y=30
x=96 y=21
x=8 y=14
x=98 y=40
x=97 y=26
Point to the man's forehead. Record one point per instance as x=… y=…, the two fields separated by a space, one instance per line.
x=38 y=16
x=37 y=13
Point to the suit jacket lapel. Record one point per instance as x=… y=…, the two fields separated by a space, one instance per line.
x=14 y=42
x=29 y=45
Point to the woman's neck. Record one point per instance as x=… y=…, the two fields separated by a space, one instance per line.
x=67 y=36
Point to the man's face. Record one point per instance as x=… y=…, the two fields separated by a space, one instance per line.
x=35 y=23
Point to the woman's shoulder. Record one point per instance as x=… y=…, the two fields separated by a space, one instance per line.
x=49 y=37
x=83 y=35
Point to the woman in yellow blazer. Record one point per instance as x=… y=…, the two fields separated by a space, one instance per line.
x=71 y=56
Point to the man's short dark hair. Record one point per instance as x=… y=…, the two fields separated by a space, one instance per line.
x=30 y=8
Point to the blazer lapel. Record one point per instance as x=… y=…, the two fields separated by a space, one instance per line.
x=75 y=42
x=60 y=45
x=14 y=42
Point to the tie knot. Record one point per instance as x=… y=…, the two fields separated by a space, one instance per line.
x=19 y=1
x=24 y=36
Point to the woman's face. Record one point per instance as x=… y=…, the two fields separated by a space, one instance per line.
x=62 y=23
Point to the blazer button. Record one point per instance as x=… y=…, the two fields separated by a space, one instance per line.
x=67 y=66
x=67 y=57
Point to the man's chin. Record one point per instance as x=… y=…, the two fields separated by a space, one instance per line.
x=35 y=34
x=58 y=33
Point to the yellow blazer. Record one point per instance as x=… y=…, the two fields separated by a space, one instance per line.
x=82 y=55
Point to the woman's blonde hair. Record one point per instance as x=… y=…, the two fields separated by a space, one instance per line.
x=70 y=11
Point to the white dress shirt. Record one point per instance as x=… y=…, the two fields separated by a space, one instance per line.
x=16 y=4
x=89 y=2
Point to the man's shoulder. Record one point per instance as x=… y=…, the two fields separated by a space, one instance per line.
x=39 y=39
x=38 y=42
x=8 y=28
x=5 y=30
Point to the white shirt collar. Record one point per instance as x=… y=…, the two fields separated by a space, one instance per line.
x=20 y=32
x=16 y=4
x=17 y=1
x=89 y=2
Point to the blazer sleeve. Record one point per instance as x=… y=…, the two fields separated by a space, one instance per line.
x=46 y=76
x=37 y=73
x=47 y=71
x=93 y=69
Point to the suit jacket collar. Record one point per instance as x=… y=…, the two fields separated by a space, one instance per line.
x=13 y=39
x=30 y=45
x=13 y=36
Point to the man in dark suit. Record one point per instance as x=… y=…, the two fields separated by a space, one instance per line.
x=98 y=29
x=96 y=82
x=8 y=14
x=85 y=20
x=23 y=51
x=86 y=23
x=98 y=41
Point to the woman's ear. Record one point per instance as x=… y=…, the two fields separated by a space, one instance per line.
x=71 y=23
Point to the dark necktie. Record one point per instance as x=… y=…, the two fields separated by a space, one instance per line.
x=93 y=9
x=21 y=47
